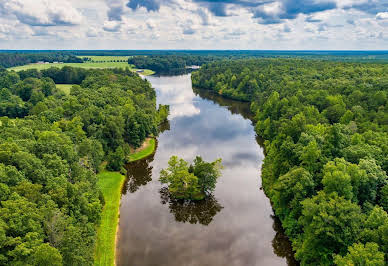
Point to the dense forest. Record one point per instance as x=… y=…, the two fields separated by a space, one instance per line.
x=19 y=59
x=52 y=145
x=325 y=126
x=339 y=55
x=168 y=63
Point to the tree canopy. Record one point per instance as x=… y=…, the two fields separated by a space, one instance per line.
x=191 y=182
x=51 y=147
x=325 y=126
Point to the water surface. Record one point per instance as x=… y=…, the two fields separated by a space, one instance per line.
x=233 y=227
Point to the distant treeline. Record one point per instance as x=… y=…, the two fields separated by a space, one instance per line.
x=325 y=126
x=162 y=62
x=19 y=59
x=52 y=145
x=168 y=63
x=316 y=54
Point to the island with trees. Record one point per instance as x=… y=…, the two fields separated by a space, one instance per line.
x=194 y=182
x=325 y=126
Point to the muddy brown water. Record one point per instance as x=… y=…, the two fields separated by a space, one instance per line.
x=236 y=225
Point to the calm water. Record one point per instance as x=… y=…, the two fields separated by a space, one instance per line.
x=234 y=227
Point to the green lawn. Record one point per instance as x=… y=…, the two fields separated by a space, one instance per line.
x=65 y=88
x=110 y=184
x=148 y=149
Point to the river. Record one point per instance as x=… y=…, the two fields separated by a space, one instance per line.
x=234 y=227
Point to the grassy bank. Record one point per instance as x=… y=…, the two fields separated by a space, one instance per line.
x=145 y=150
x=110 y=184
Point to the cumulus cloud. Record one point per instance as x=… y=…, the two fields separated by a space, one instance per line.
x=42 y=12
x=266 y=11
x=116 y=10
x=312 y=19
x=276 y=12
x=112 y=26
x=92 y=32
x=286 y=28
x=150 y=5
x=382 y=15
x=194 y=24
x=368 y=6
x=188 y=30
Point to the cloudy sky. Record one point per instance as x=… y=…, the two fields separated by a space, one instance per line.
x=194 y=24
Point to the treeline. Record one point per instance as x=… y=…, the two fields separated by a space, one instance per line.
x=51 y=146
x=19 y=59
x=168 y=63
x=325 y=170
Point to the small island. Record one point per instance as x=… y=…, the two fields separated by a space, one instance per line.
x=193 y=182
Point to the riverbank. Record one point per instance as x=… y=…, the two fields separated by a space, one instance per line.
x=110 y=184
x=145 y=150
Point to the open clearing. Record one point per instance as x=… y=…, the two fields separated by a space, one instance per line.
x=64 y=87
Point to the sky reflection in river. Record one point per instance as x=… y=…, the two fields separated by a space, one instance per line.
x=236 y=229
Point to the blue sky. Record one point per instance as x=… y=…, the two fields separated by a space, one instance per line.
x=194 y=24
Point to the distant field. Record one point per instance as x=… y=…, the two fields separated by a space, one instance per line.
x=106 y=58
x=96 y=63
x=65 y=88
x=83 y=65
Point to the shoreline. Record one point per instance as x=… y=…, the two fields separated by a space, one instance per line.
x=110 y=184
x=105 y=249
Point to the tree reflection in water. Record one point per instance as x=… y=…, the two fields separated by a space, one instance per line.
x=234 y=106
x=281 y=244
x=165 y=126
x=202 y=211
x=139 y=173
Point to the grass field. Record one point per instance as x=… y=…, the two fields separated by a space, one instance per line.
x=106 y=58
x=64 y=87
x=95 y=64
x=144 y=151
x=110 y=184
x=82 y=65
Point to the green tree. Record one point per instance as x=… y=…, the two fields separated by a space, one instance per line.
x=207 y=173
x=46 y=255
x=181 y=183
x=330 y=224
x=360 y=254
x=116 y=159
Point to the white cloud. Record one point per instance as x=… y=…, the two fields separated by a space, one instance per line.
x=112 y=26
x=43 y=12
x=382 y=15
x=186 y=24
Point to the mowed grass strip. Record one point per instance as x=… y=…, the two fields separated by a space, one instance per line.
x=64 y=87
x=110 y=184
x=147 y=149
